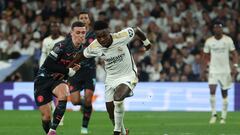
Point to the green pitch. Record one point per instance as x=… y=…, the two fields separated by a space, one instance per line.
x=139 y=123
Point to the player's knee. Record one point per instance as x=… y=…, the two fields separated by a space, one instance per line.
x=46 y=116
x=88 y=101
x=62 y=96
x=224 y=93
x=118 y=103
x=117 y=97
x=75 y=102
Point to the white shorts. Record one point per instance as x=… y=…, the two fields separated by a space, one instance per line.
x=110 y=85
x=224 y=79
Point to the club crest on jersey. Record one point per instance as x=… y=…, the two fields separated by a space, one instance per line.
x=40 y=98
x=120 y=49
x=130 y=32
x=56 y=49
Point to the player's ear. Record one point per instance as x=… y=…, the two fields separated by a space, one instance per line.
x=71 y=33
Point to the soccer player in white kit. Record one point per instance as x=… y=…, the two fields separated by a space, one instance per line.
x=47 y=45
x=50 y=41
x=121 y=71
x=219 y=48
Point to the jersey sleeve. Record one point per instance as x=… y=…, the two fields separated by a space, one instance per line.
x=57 y=51
x=206 y=48
x=231 y=45
x=43 y=53
x=126 y=35
x=93 y=50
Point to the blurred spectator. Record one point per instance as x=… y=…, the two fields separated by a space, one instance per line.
x=196 y=66
x=177 y=29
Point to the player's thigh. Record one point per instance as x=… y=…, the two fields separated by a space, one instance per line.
x=121 y=92
x=42 y=91
x=45 y=111
x=61 y=91
x=225 y=81
x=213 y=79
x=88 y=94
x=89 y=90
x=124 y=87
x=109 y=92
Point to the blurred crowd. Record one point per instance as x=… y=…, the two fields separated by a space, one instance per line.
x=176 y=28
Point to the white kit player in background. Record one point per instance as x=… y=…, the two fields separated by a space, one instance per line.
x=50 y=41
x=121 y=71
x=47 y=45
x=218 y=49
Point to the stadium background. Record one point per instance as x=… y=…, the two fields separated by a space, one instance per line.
x=169 y=72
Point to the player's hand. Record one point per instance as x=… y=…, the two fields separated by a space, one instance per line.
x=234 y=71
x=203 y=76
x=76 y=67
x=58 y=76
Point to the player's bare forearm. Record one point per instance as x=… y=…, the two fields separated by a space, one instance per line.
x=140 y=33
x=234 y=57
x=142 y=36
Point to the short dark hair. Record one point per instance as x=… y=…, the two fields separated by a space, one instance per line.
x=83 y=12
x=55 y=23
x=100 y=25
x=77 y=24
x=218 y=23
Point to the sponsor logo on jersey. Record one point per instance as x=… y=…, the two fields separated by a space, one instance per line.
x=56 y=49
x=113 y=60
x=120 y=49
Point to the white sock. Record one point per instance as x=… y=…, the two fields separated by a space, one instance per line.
x=53 y=106
x=224 y=108
x=213 y=104
x=118 y=115
x=123 y=130
x=51 y=130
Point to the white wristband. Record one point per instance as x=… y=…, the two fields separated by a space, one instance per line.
x=71 y=72
x=235 y=65
x=146 y=42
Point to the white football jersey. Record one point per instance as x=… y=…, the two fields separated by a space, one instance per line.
x=219 y=53
x=47 y=45
x=118 y=60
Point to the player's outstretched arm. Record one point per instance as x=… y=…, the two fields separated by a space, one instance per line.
x=141 y=35
x=235 y=58
x=53 y=66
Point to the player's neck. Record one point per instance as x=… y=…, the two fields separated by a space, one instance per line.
x=55 y=36
x=110 y=43
x=75 y=44
x=87 y=28
x=218 y=37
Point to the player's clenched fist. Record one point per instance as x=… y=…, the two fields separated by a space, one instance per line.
x=71 y=72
